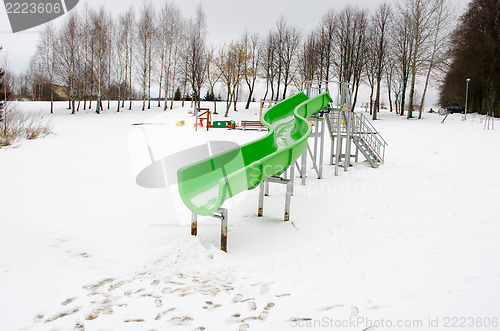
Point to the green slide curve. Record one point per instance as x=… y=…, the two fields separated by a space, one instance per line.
x=205 y=185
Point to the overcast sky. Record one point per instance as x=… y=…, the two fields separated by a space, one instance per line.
x=226 y=20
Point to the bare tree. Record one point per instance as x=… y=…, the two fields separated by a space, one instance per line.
x=86 y=50
x=401 y=47
x=390 y=72
x=309 y=66
x=196 y=54
x=325 y=42
x=441 y=30
x=371 y=65
x=380 y=24
x=3 y=87
x=46 y=51
x=145 y=38
x=67 y=51
x=288 y=40
x=174 y=43
x=419 y=15
x=252 y=62
x=213 y=75
x=351 y=46
x=129 y=26
x=268 y=68
x=160 y=42
x=230 y=62
x=100 y=29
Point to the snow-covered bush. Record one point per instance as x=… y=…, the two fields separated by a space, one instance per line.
x=17 y=125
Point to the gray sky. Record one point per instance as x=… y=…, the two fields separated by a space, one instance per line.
x=226 y=20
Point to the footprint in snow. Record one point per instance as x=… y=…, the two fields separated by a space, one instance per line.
x=283 y=295
x=332 y=307
x=269 y=306
x=235 y=318
x=252 y=305
x=210 y=305
x=163 y=313
x=67 y=301
x=244 y=327
x=95 y=286
x=251 y=318
x=377 y=307
x=61 y=315
x=265 y=288
x=181 y=320
x=300 y=319
x=247 y=299
x=119 y=284
x=79 y=327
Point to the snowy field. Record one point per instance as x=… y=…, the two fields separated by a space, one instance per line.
x=412 y=245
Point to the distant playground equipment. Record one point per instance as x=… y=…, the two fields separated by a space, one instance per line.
x=206 y=184
x=205 y=115
x=204 y=120
x=223 y=125
x=269 y=103
x=180 y=123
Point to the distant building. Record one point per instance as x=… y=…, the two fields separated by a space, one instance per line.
x=42 y=92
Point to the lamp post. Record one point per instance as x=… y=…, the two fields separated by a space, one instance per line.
x=466 y=96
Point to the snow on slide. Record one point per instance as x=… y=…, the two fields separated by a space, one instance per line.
x=205 y=185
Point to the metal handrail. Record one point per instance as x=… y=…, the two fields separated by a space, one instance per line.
x=362 y=129
x=370 y=135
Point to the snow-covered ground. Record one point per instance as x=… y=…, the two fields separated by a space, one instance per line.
x=412 y=245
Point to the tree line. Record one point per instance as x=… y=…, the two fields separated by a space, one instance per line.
x=3 y=88
x=96 y=57
x=475 y=55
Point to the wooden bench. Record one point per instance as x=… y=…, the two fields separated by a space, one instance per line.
x=252 y=125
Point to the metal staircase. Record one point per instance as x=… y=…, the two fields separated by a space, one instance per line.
x=346 y=126
x=357 y=127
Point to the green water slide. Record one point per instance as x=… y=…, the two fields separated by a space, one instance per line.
x=205 y=185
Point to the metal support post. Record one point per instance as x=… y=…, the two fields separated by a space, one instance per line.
x=348 y=140
x=223 y=229
x=194 y=224
x=260 y=211
x=332 y=150
x=316 y=135
x=338 y=150
x=289 y=193
x=321 y=147
x=303 y=167
x=221 y=214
